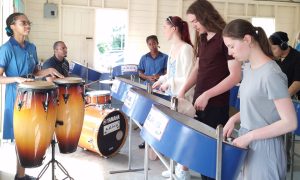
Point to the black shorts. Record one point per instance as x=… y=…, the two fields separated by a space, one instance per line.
x=213 y=116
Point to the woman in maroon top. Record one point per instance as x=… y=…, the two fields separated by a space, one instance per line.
x=216 y=72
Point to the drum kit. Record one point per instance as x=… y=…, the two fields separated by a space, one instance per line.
x=44 y=111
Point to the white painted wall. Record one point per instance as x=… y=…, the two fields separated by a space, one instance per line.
x=145 y=17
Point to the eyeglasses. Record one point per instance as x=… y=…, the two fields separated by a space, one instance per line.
x=170 y=20
x=24 y=23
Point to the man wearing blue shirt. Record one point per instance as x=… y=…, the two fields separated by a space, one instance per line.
x=153 y=64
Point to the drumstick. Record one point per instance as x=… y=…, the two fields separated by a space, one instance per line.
x=91 y=83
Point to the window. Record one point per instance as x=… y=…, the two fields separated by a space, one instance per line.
x=268 y=24
x=110 y=35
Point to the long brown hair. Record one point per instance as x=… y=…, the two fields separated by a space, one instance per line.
x=239 y=28
x=207 y=16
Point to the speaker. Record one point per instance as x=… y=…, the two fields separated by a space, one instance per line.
x=283 y=45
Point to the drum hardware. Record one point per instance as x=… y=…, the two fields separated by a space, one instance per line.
x=54 y=162
x=66 y=94
x=66 y=97
x=149 y=88
x=45 y=103
x=59 y=123
x=20 y=99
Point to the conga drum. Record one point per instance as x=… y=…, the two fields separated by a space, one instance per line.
x=34 y=120
x=100 y=97
x=70 y=113
x=104 y=131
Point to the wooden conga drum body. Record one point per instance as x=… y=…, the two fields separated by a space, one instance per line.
x=70 y=113
x=34 y=120
x=104 y=131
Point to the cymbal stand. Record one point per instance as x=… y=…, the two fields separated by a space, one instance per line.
x=53 y=161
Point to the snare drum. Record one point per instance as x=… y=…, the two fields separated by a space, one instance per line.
x=70 y=113
x=98 y=97
x=104 y=131
x=34 y=120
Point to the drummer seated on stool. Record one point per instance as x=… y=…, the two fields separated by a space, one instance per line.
x=152 y=65
x=58 y=60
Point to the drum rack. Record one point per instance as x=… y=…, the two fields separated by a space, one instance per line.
x=53 y=161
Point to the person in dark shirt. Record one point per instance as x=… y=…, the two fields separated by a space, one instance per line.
x=288 y=59
x=58 y=60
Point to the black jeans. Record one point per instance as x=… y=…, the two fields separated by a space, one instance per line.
x=213 y=116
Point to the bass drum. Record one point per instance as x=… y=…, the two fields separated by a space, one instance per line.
x=104 y=131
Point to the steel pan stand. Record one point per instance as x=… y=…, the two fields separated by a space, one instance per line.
x=219 y=152
x=169 y=165
x=53 y=161
x=129 y=151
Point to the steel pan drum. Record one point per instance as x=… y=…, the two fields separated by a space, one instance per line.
x=84 y=72
x=190 y=143
x=70 y=113
x=138 y=104
x=34 y=120
x=126 y=69
x=104 y=131
x=297 y=108
x=119 y=90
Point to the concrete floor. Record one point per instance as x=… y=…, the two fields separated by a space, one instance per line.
x=86 y=165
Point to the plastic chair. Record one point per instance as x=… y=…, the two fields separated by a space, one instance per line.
x=294 y=134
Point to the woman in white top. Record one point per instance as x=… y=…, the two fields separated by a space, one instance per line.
x=180 y=64
x=181 y=57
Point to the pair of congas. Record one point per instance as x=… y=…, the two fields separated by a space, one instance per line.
x=42 y=108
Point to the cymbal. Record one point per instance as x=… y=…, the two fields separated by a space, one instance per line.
x=107 y=81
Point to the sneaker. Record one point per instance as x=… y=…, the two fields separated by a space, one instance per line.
x=142 y=145
x=26 y=177
x=183 y=175
x=166 y=174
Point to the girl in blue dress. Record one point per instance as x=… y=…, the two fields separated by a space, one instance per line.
x=18 y=63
